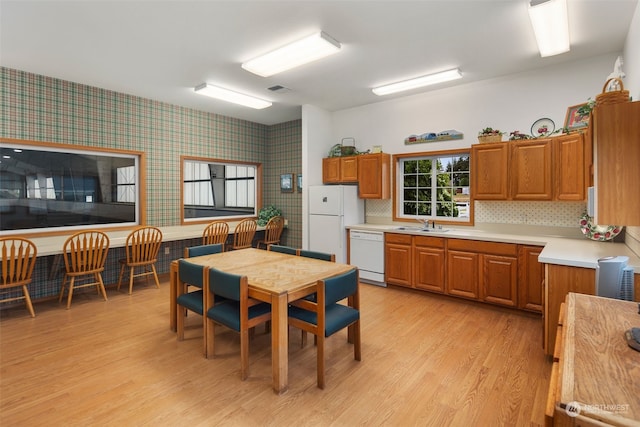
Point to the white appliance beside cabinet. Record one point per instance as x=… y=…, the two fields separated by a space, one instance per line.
x=367 y=253
x=331 y=209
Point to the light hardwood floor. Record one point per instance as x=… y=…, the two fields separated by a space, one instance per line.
x=426 y=360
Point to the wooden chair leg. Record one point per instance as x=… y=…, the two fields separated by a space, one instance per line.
x=27 y=300
x=356 y=341
x=181 y=313
x=211 y=331
x=205 y=333
x=131 y=274
x=71 y=283
x=122 y=266
x=101 y=288
x=320 y=353
x=244 y=354
x=64 y=281
x=155 y=275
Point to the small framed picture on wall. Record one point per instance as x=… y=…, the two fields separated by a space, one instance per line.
x=575 y=119
x=299 y=183
x=286 y=183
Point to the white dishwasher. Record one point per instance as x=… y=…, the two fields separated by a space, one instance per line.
x=367 y=253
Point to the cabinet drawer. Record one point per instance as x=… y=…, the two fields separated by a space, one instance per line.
x=431 y=242
x=397 y=238
x=494 y=248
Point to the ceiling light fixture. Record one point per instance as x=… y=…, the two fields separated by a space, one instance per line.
x=431 y=79
x=231 y=96
x=300 y=52
x=551 y=26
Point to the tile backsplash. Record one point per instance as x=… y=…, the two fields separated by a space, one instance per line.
x=551 y=214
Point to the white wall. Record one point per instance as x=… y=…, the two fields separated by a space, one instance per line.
x=316 y=141
x=508 y=103
x=631 y=57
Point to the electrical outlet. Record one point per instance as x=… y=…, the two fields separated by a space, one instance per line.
x=166 y=250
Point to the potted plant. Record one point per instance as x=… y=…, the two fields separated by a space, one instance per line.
x=266 y=213
x=490 y=135
x=517 y=136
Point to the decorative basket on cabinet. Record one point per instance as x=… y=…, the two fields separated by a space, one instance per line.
x=614 y=96
x=489 y=135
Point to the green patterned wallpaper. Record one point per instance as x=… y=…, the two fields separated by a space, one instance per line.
x=284 y=155
x=40 y=108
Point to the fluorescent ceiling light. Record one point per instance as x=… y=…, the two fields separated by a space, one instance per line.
x=551 y=26
x=231 y=96
x=431 y=79
x=303 y=51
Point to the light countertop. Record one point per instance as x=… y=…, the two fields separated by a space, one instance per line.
x=52 y=245
x=560 y=250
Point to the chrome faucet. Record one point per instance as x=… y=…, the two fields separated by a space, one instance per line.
x=424 y=222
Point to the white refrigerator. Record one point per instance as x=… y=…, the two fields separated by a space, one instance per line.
x=331 y=209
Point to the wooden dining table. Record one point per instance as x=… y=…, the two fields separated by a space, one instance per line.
x=273 y=277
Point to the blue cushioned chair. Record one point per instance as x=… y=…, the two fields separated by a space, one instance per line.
x=203 y=250
x=237 y=311
x=326 y=316
x=283 y=249
x=318 y=255
x=190 y=274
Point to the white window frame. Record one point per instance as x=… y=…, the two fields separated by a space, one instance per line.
x=464 y=203
x=241 y=187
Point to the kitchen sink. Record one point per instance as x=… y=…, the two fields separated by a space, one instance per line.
x=422 y=230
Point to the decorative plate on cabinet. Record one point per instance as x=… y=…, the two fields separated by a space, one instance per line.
x=542 y=127
x=600 y=233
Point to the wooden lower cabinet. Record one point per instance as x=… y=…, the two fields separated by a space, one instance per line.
x=462 y=274
x=559 y=281
x=499 y=280
x=505 y=274
x=397 y=257
x=429 y=263
x=530 y=279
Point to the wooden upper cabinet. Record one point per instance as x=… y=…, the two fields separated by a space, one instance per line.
x=616 y=143
x=572 y=163
x=349 y=169
x=337 y=170
x=490 y=171
x=542 y=169
x=531 y=170
x=374 y=176
x=331 y=170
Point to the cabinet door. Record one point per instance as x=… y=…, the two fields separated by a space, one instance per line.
x=531 y=170
x=617 y=150
x=489 y=171
x=462 y=274
x=331 y=170
x=397 y=259
x=530 y=278
x=349 y=169
x=561 y=280
x=429 y=265
x=373 y=176
x=569 y=167
x=499 y=279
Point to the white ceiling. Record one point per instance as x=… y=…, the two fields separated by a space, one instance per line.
x=162 y=49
